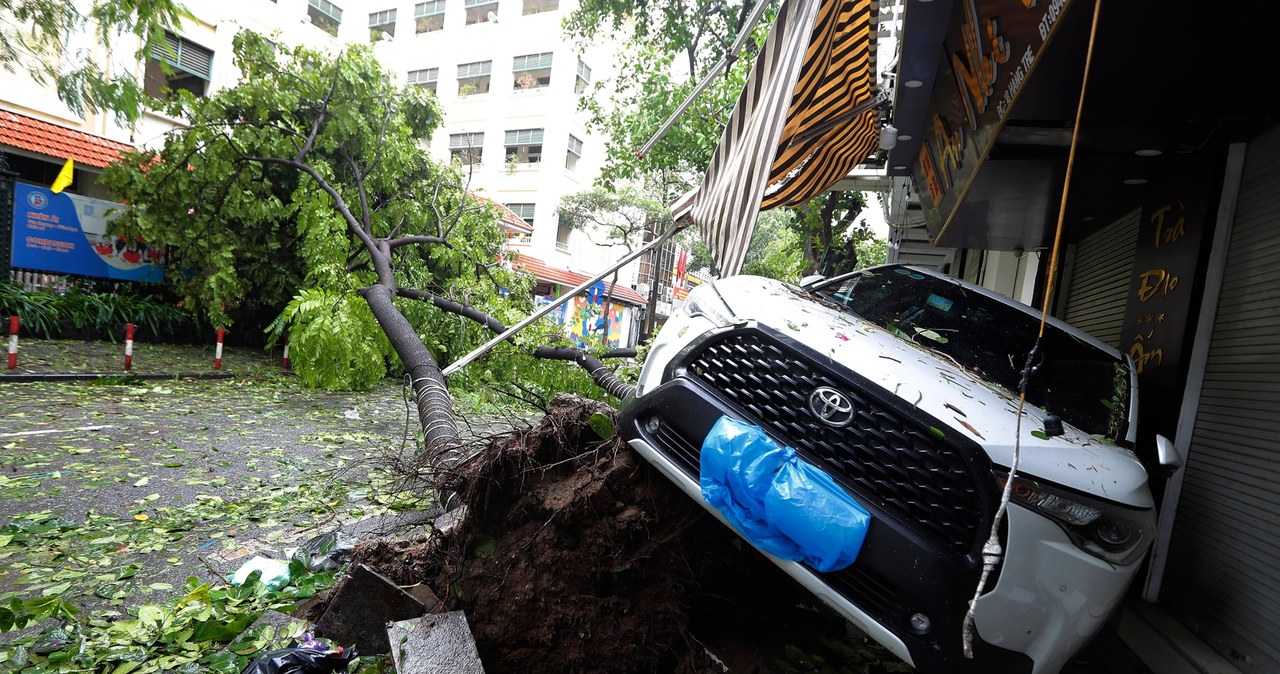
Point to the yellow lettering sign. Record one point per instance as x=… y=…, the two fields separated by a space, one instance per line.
x=1169 y=226
x=1155 y=281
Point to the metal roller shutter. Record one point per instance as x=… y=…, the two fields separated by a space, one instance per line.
x=1222 y=578
x=1100 y=279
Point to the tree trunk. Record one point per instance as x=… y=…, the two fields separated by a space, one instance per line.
x=435 y=405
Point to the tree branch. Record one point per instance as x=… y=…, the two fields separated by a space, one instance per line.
x=489 y=322
x=599 y=373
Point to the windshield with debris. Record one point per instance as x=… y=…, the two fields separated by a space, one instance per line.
x=1085 y=386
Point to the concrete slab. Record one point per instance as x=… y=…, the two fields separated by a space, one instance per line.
x=361 y=606
x=434 y=644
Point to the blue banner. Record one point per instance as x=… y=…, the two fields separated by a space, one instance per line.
x=71 y=234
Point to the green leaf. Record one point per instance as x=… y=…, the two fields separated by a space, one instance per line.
x=1040 y=434
x=602 y=425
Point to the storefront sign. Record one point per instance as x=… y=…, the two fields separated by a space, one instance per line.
x=71 y=234
x=991 y=51
x=1161 y=292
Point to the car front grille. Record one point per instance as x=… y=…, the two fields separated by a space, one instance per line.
x=890 y=455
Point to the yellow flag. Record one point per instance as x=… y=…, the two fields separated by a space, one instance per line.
x=64 y=177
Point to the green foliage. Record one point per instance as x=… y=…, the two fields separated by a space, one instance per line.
x=36 y=311
x=622 y=215
x=658 y=39
x=831 y=233
x=183 y=634
x=248 y=225
x=338 y=345
x=46 y=314
x=774 y=250
x=35 y=41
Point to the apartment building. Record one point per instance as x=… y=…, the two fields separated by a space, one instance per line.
x=508 y=81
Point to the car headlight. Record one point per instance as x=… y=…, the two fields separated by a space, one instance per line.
x=706 y=301
x=1108 y=531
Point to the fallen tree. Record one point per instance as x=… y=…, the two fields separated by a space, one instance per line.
x=317 y=161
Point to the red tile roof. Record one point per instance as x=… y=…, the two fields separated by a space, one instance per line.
x=58 y=142
x=546 y=272
x=510 y=221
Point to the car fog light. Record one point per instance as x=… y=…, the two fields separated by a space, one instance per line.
x=920 y=623
x=1113 y=532
x=651 y=425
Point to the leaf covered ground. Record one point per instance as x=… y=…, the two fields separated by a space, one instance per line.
x=124 y=506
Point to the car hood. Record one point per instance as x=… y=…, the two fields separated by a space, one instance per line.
x=979 y=409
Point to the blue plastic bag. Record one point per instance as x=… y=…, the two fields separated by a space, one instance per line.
x=781 y=504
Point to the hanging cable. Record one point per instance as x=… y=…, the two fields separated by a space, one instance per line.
x=992 y=552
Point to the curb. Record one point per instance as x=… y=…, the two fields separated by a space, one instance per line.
x=90 y=376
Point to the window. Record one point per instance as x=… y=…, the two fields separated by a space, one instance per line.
x=425 y=78
x=574 y=154
x=466 y=148
x=428 y=16
x=562 y=235
x=532 y=71
x=189 y=65
x=525 y=211
x=481 y=11
x=324 y=15
x=382 y=25
x=540 y=6
x=473 y=78
x=584 y=77
x=524 y=146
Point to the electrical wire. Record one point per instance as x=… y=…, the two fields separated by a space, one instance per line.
x=991 y=550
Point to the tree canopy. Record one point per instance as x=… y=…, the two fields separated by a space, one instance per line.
x=39 y=37
x=667 y=46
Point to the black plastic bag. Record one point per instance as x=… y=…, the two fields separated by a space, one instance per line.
x=326 y=552
x=301 y=660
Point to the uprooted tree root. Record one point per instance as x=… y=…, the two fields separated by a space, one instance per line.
x=577 y=556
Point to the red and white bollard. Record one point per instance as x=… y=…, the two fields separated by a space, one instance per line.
x=284 y=362
x=217 y=354
x=128 y=346
x=13 y=342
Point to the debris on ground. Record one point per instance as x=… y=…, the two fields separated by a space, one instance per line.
x=326 y=552
x=360 y=607
x=434 y=644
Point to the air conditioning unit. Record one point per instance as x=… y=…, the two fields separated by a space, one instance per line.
x=643 y=289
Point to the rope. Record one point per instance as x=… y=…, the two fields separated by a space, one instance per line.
x=991 y=550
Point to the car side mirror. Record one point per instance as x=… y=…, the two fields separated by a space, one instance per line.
x=1167 y=453
x=810 y=280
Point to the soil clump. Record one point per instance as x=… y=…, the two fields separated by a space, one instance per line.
x=577 y=556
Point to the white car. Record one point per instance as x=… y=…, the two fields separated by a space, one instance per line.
x=901 y=386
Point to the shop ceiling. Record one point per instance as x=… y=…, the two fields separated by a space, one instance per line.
x=1170 y=82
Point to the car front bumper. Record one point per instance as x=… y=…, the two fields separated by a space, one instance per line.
x=898 y=574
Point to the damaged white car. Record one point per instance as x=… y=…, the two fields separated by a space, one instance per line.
x=869 y=426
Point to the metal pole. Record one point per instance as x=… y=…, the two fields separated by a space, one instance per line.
x=465 y=360
x=747 y=29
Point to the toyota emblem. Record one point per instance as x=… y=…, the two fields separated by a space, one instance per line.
x=831 y=406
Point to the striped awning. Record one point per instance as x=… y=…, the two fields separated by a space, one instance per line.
x=801 y=124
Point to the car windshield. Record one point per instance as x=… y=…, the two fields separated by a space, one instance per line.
x=1084 y=385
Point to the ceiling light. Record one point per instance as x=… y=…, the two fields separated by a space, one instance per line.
x=1149 y=152
x=900 y=167
x=912 y=84
x=1136 y=181
x=905 y=136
